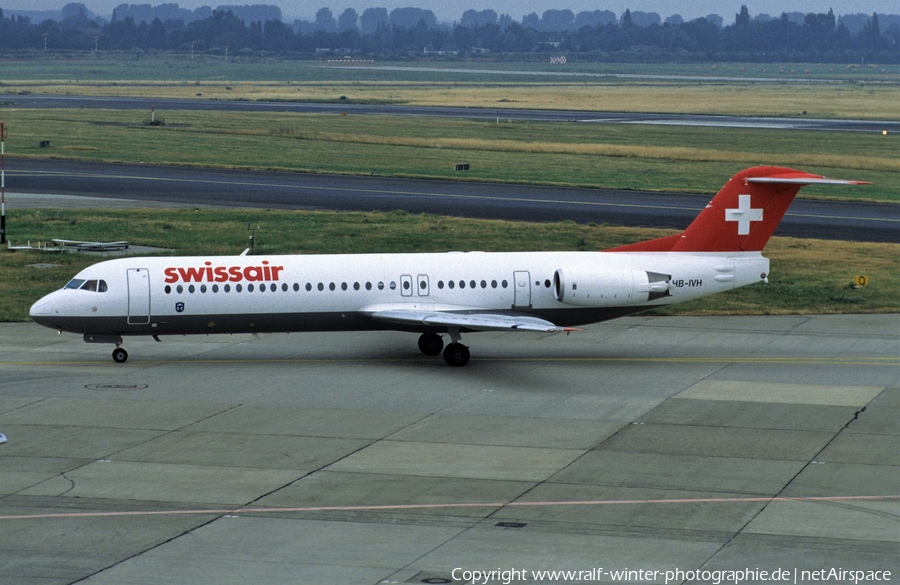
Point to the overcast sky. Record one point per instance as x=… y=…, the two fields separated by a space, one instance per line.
x=450 y=10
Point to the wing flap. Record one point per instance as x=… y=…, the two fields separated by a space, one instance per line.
x=472 y=321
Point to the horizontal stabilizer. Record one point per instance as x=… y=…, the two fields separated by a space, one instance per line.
x=805 y=179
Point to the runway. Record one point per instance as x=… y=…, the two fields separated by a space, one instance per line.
x=127 y=103
x=652 y=444
x=151 y=185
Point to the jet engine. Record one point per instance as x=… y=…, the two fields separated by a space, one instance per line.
x=590 y=287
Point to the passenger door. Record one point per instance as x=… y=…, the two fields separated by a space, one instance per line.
x=138 y=296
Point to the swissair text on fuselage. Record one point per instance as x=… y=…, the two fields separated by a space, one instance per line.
x=210 y=273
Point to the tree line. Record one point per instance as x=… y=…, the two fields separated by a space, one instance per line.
x=818 y=37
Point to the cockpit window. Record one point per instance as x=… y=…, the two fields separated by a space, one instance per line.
x=91 y=285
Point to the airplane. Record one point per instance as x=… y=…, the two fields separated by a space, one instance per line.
x=432 y=294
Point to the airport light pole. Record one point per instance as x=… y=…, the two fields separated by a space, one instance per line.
x=2 y=182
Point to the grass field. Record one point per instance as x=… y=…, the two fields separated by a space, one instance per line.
x=647 y=157
x=845 y=100
x=605 y=155
x=808 y=276
x=829 y=91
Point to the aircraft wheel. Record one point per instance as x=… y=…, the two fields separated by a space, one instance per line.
x=431 y=343
x=119 y=355
x=456 y=354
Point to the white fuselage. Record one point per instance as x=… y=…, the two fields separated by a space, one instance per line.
x=216 y=294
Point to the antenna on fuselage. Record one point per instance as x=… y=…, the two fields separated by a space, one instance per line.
x=252 y=239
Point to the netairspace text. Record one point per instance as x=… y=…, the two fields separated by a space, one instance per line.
x=717 y=577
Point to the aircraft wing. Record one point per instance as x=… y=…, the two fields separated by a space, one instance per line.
x=471 y=321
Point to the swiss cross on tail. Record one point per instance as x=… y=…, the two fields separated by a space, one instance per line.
x=742 y=216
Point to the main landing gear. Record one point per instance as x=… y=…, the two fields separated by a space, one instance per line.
x=430 y=343
x=455 y=354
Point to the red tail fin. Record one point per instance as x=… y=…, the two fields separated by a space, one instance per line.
x=742 y=216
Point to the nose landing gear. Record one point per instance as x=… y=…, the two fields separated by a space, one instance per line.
x=119 y=355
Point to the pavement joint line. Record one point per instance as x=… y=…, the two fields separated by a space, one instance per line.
x=398 y=507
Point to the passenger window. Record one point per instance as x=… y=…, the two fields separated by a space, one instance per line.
x=393 y=285
x=368 y=286
x=74 y=283
x=249 y=288
x=168 y=289
x=504 y=284
x=227 y=288
x=440 y=284
x=483 y=284
x=321 y=287
x=179 y=289
x=203 y=288
x=237 y=288
x=191 y=289
x=343 y=286
x=451 y=284
x=462 y=284
x=331 y=286
x=215 y=288
x=380 y=286
x=493 y=284
x=471 y=284
x=355 y=286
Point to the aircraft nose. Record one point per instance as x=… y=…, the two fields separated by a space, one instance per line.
x=43 y=309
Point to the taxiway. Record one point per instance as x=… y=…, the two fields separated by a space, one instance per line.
x=652 y=443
